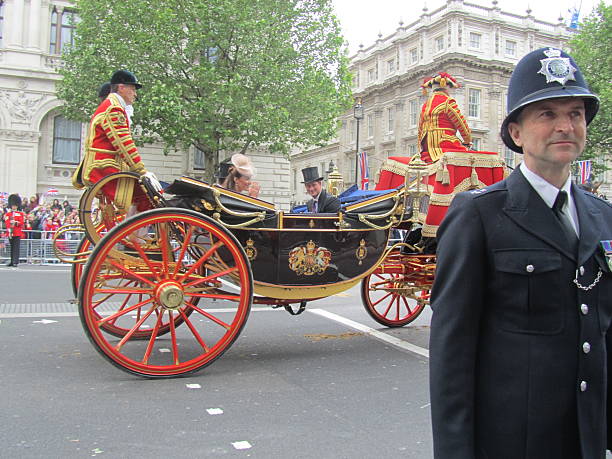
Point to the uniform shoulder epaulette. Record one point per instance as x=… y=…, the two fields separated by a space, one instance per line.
x=486 y=190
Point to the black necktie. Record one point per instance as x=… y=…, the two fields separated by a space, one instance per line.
x=315 y=206
x=563 y=218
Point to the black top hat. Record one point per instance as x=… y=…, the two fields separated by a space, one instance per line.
x=223 y=170
x=104 y=90
x=14 y=200
x=125 y=77
x=546 y=73
x=311 y=174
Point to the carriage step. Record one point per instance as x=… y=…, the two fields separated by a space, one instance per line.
x=301 y=308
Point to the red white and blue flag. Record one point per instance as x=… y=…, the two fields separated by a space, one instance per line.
x=585 y=170
x=363 y=166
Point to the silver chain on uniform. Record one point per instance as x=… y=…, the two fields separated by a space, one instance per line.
x=582 y=287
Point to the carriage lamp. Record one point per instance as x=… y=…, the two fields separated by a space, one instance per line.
x=335 y=182
x=358 y=114
x=416 y=197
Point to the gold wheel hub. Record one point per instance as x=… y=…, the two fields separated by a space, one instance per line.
x=170 y=295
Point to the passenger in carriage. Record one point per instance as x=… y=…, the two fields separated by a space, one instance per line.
x=240 y=173
x=321 y=201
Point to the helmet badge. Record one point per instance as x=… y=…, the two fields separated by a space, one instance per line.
x=557 y=68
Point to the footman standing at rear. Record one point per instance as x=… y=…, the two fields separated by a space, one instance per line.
x=522 y=302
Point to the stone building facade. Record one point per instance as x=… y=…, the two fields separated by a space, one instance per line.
x=478 y=45
x=39 y=148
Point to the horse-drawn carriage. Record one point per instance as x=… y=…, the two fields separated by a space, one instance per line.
x=166 y=292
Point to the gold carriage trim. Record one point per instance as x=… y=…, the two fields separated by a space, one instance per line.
x=361 y=252
x=250 y=250
x=394 y=166
x=309 y=260
x=445 y=199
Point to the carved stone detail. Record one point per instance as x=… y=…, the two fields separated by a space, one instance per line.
x=21 y=105
x=25 y=136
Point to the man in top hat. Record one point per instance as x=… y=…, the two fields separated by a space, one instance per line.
x=520 y=343
x=14 y=222
x=321 y=201
x=440 y=120
x=109 y=146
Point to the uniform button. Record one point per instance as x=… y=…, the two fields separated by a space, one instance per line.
x=584 y=309
x=586 y=347
x=583 y=386
x=529 y=268
x=581 y=269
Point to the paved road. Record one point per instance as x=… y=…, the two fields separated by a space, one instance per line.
x=330 y=383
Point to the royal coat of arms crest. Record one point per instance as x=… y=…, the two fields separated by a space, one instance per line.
x=309 y=260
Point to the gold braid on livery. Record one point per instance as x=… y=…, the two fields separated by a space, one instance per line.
x=109 y=146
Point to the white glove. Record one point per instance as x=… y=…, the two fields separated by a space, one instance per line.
x=153 y=180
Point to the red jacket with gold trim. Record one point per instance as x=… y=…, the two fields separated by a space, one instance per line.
x=14 y=221
x=109 y=146
x=439 y=122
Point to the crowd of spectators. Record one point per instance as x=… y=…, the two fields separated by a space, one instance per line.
x=43 y=219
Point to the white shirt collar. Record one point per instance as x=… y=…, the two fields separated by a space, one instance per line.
x=129 y=109
x=549 y=192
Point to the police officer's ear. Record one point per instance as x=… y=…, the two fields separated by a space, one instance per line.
x=514 y=129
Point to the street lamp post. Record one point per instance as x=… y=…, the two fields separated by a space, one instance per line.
x=358 y=114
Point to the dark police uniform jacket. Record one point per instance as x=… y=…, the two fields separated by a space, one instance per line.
x=327 y=203
x=519 y=356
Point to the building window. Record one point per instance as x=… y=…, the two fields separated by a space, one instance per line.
x=476 y=144
x=439 y=43
x=1 y=20
x=199 y=160
x=474 y=103
x=412 y=149
x=352 y=131
x=390 y=120
x=391 y=66
x=356 y=80
x=509 y=157
x=66 y=141
x=475 y=40
x=370 y=126
x=371 y=75
x=510 y=48
x=413 y=112
x=63 y=24
x=414 y=55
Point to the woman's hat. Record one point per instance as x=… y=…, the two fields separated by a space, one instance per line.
x=242 y=164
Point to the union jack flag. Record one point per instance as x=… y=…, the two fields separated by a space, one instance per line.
x=363 y=166
x=585 y=170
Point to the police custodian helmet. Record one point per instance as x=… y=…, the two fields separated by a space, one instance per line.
x=125 y=77
x=546 y=73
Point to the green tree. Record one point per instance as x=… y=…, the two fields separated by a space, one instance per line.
x=591 y=50
x=222 y=75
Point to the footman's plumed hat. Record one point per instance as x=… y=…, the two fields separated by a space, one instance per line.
x=546 y=73
x=125 y=77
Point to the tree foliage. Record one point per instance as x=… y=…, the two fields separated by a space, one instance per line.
x=591 y=50
x=223 y=75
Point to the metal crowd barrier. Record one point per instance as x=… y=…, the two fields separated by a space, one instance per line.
x=37 y=247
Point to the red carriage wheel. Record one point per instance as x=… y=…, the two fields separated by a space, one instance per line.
x=77 y=268
x=146 y=274
x=392 y=300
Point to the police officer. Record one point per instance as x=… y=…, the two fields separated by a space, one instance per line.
x=522 y=301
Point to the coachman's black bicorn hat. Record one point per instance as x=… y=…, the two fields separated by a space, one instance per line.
x=546 y=73
x=14 y=200
x=125 y=77
x=311 y=174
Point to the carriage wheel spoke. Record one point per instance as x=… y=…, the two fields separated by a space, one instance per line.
x=136 y=326
x=216 y=296
x=201 y=261
x=209 y=316
x=184 y=245
x=193 y=329
x=124 y=311
x=152 y=339
x=175 y=352
x=386 y=296
x=407 y=306
x=144 y=257
x=211 y=277
x=131 y=273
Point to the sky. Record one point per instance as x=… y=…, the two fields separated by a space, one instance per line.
x=362 y=20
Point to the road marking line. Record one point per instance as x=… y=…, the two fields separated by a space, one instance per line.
x=404 y=345
x=21 y=315
x=241 y=444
